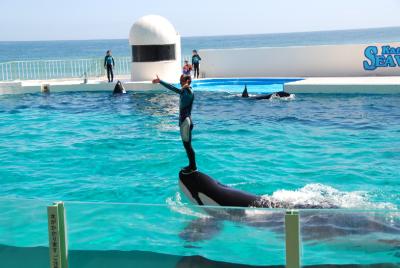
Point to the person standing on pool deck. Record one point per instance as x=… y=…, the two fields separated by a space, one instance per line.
x=187 y=68
x=109 y=64
x=186 y=98
x=196 y=63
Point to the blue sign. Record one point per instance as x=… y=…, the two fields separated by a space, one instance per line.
x=389 y=57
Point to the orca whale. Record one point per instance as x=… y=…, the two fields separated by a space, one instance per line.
x=317 y=224
x=119 y=88
x=203 y=190
x=280 y=94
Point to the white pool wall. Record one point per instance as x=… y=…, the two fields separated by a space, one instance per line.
x=346 y=85
x=23 y=87
x=296 y=61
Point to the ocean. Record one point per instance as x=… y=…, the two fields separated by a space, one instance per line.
x=14 y=51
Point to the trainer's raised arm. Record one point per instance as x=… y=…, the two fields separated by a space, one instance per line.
x=166 y=85
x=156 y=81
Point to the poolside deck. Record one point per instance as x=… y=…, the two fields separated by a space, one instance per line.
x=70 y=85
x=343 y=85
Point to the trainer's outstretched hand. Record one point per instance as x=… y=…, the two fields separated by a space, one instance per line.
x=157 y=80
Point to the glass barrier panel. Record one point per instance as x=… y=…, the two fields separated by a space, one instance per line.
x=176 y=235
x=347 y=237
x=23 y=233
x=126 y=235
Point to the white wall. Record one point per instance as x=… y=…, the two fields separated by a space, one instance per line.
x=146 y=71
x=306 y=61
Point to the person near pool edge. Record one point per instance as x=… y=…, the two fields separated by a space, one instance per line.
x=187 y=68
x=109 y=64
x=186 y=98
x=196 y=64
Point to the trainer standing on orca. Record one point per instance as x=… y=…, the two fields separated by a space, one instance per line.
x=186 y=98
x=109 y=64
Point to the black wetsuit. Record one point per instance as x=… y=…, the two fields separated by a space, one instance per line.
x=109 y=64
x=196 y=65
x=186 y=98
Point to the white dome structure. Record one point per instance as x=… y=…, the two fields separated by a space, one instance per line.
x=152 y=29
x=156 y=49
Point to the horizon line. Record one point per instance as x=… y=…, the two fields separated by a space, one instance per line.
x=219 y=35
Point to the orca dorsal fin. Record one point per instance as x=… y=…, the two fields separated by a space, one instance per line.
x=245 y=94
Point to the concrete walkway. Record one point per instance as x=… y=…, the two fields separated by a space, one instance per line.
x=364 y=85
x=70 y=85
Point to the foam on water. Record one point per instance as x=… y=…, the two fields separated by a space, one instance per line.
x=175 y=203
x=311 y=195
x=290 y=98
x=316 y=194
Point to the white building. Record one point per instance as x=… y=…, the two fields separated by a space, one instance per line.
x=156 y=49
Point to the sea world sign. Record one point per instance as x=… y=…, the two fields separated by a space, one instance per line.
x=388 y=57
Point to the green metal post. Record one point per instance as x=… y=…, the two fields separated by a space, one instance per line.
x=58 y=244
x=292 y=231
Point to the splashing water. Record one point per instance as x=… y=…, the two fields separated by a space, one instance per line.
x=175 y=203
x=316 y=194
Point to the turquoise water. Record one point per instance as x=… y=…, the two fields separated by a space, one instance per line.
x=95 y=147
x=256 y=237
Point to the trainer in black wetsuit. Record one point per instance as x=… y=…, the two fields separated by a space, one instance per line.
x=186 y=98
x=196 y=64
x=109 y=65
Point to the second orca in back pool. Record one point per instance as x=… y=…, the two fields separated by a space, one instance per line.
x=280 y=94
x=119 y=88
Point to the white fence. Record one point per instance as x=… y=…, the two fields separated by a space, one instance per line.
x=59 y=69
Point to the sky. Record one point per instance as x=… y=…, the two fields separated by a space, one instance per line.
x=28 y=20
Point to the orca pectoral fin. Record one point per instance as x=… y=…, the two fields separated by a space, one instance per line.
x=201 y=229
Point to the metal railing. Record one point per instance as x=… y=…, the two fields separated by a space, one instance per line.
x=59 y=69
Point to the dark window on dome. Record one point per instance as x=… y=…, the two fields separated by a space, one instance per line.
x=150 y=53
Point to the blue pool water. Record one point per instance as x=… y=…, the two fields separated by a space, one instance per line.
x=96 y=147
x=338 y=149
x=236 y=85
